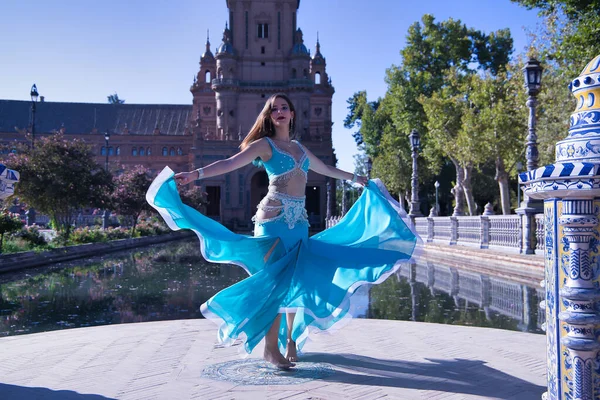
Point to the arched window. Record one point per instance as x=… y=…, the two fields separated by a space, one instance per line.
x=305 y=73
x=172 y=151
x=149 y=151
x=294 y=73
x=103 y=151
x=318 y=78
x=165 y=151
x=118 y=151
x=179 y=151
x=220 y=73
x=110 y=151
x=134 y=151
x=142 y=151
x=207 y=76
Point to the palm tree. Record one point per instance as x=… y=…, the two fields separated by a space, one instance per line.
x=114 y=99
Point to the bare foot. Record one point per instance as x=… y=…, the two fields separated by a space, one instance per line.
x=290 y=351
x=277 y=359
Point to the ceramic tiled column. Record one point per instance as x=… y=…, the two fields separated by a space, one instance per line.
x=571 y=192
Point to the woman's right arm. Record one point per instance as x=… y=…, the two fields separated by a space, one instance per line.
x=259 y=148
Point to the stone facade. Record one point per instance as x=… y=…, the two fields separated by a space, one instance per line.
x=262 y=52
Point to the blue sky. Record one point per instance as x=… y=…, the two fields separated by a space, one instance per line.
x=148 y=51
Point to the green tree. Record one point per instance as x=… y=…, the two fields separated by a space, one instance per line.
x=9 y=222
x=195 y=197
x=497 y=118
x=571 y=31
x=59 y=177
x=432 y=49
x=114 y=99
x=129 y=196
x=445 y=110
x=389 y=152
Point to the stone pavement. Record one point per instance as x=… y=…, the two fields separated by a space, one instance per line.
x=367 y=359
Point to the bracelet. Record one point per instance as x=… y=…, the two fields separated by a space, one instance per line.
x=200 y=173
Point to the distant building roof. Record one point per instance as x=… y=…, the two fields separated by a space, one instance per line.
x=83 y=118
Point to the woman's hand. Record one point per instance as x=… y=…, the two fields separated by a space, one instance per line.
x=362 y=180
x=183 y=178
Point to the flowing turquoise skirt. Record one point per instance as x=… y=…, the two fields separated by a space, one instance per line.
x=289 y=271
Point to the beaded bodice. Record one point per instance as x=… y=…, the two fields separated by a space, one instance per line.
x=287 y=183
x=284 y=170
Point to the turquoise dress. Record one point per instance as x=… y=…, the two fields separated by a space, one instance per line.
x=315 y=277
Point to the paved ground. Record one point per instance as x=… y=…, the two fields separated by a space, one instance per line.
x=367 y=359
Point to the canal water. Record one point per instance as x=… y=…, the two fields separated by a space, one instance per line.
x=171 y=281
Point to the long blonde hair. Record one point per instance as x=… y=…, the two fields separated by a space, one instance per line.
x=263 y=125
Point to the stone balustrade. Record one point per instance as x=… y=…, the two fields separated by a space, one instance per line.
x=485 y=231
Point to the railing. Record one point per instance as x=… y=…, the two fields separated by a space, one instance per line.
x=539 y=232
x=291 y=83
x=505 y=231
x=486 y=231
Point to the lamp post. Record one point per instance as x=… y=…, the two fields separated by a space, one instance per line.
x=34 y=98
x=519 y=168
x=533 y=82
x=344 y=202
x=106 y=214
x=369 y=167
x=106 y=137
x=415 y=142
x=328 y=215
x=437 y=204
x=527 y=210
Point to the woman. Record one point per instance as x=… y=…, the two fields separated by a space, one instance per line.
x=310 y=279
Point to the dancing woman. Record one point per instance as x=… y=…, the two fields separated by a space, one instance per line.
x=309 y=279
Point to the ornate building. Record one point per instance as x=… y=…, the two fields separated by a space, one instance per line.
x=262 y=52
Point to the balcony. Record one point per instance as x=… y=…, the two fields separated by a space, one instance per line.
x=228 y=83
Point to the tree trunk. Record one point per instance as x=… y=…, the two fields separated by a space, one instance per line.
x=458 y=192
x=466 y=184
x=401 y=199
x=502 y=179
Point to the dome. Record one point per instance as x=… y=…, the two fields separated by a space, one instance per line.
x=300 y=49
x=583 y=142
x=226 y=47
x=318 y=58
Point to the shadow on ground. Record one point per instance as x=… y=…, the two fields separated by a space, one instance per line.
x=13 y=392
x=452 y=376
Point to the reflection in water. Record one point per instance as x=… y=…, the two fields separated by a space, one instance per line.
x=171 y=281
x=436 y=293
x=161 y=282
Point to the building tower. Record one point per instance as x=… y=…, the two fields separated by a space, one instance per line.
x=262 y=52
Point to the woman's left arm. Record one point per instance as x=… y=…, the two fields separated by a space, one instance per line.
x=328 y=170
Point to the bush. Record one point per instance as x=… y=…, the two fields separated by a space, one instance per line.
x=15 y=245
x=116 y=233
x=32 y=235
x=87 y=235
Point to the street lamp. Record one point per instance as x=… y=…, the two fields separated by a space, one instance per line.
x=533 y=82
x=34 y=98
x=415 y=143
x=344 y=201
x=328 y=215
x=519 y=168
x=106 y=214
x=369 y=167
x=437 y=204
x=106 y=137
